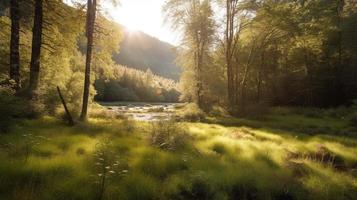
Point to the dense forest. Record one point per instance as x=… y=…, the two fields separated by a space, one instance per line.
x=62 y=60
x=268 y=52
x=130 y=84
x=257 y=101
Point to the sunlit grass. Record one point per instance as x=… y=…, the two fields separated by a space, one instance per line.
x=238 y=161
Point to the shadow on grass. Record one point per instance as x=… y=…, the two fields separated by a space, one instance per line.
x=297 y=127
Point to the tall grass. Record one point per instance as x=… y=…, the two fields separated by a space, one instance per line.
x=170 y=160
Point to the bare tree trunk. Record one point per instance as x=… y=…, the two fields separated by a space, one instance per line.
x=199 y=82
x=236 y=83
x=341 y=4
x=36 y=48
x=198 y=63
x=69 y=116
x=339 y=68
x=199 y=74
x=229 y=39
x=14 y=43
x=309 y=95
x=244 y=79
x=91 y=14
x=260 y=76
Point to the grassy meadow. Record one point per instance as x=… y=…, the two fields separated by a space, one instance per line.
x=284 y=155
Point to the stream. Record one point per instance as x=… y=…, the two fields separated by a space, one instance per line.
x=143 y=111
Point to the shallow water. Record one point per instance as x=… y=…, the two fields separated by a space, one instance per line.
x=142 y=111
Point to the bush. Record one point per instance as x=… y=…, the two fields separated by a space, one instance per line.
x=256 y=111
x=191 y=112
x=340 y=112
x=353 y=119
x=160 y=165
x=219 y=148
x=168 y=135
x=198 y=188
x=139 y=186
x=309 y=112
x=218 y=111
x=12 y=107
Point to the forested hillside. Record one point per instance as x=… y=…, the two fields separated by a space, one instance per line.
x=141 y=51
x=130 y=84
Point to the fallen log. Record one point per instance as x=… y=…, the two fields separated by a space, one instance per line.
x=69 y=116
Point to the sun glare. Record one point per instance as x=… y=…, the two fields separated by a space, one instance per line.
x=142 y=15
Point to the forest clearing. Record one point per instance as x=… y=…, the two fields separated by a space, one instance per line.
x=287 y=155
x=178 y=100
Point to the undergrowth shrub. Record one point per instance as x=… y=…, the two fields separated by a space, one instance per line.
x=219 y=148
x=191 y=112
x=281 y=110
x=353 y=119
x=168 y=135
x=127 y=125
x=218 y=111
x=198 y=188
x=25 y=147
x=340 y=112
x=160 y=164
x=108 y=166
x=308 y=112
x=139 y=186
x=12 y=107
x=98 y=111
x=255 y=111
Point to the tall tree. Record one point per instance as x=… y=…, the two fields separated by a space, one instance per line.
x=14 y=43
x=36 y=48
x=91 y=15
x=230 y=47
x=194 y=18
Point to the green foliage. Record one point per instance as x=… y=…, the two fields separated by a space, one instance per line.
x=107 y=165
x=256 y=111
x=8 y=107
x=134 y=85
x=219 y=148
x=194 y=20
x=191 y=112
x=168 y=135
x=139 y=186
x=13 y=107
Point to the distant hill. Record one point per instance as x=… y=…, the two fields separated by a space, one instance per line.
x=141 y=51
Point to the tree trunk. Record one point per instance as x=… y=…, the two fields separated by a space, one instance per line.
x=36 y=48
x=260 y=76
x=244 y=79
x=230 y=34
x=91 y=14
x=228 y=57
x=339 y=95
x=14 y=43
